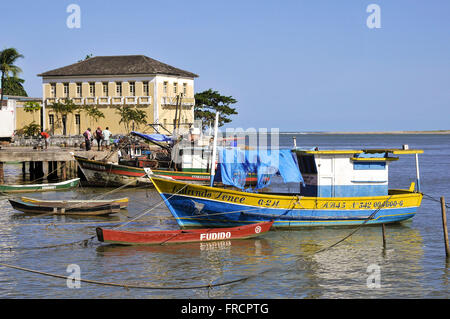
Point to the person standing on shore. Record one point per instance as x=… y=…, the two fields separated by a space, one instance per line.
x=88 y=139
x=46 y=138
x=106 y=136
x=99 y=137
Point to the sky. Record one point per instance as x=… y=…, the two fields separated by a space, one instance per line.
x=310 y=65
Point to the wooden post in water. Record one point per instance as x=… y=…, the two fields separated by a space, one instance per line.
x=384 y=235
x=444 y=225
x=63 y=170
x=2 y=174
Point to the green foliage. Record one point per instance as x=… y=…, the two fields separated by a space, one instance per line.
x=130 y=116
x=13 y=86
x=31 y=129
x=7 y=59
x=63 y=108
x=31 y=106
x=88 y=56
x=208 y=102
x=93 y=112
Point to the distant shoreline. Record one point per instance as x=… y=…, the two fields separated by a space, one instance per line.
x=372 y=133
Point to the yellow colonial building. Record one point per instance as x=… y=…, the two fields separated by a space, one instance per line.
x=110 y=82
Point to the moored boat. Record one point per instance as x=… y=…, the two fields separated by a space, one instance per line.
x=104 y=174
x=344 y=187
x=65 y=185
x=79 y=210
x=181 y=236
x=122 y=202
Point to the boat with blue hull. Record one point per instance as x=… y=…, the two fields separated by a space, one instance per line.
x=337 y=188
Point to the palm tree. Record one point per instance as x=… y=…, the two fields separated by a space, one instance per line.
x=7 y=59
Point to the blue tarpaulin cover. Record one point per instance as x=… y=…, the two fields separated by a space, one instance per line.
x=235 y=164
x=153 y=137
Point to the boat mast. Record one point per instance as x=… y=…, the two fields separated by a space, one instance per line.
x=213 y=158
x=417 y=173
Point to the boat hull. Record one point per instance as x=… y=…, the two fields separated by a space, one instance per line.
x=122 y=202
x=107 y=174
x=98 y=210
x=65 y=185
x=202 y=206
x=181 y=236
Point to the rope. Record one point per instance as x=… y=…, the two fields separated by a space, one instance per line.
x=129 y=286
x=431 y=198
x=355 y=230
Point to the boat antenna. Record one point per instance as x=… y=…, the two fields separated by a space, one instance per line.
x=213 y=158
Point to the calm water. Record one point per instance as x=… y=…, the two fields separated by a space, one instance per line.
x=283 y=264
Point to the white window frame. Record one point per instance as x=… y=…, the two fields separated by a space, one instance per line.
x=118 y=88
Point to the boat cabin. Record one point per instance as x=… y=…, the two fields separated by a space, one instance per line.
x=347 y=173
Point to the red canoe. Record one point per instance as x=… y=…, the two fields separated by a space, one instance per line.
x=181 y=236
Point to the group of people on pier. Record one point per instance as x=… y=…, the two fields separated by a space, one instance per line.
x=101 y=136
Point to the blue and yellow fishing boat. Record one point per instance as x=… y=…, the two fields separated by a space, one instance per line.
x=337 y=187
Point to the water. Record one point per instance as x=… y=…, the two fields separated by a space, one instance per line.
x=281 y=264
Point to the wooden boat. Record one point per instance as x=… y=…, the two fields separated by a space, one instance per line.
x=100 y=173
x=84 y=210
x=65 y=185
x=344 y=187
x=181 y=236
x=122 y=202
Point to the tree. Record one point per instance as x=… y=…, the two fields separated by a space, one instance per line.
x=88 y=56
x=208 y=102
x=32 y=107
x=7 y=59
x=62 y=109
x=13 y=86
x=93 y=112
x=131 y=116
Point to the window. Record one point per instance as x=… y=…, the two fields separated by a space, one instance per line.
x=53 y=90
x=92 y=89
x=145 y=88
x=105 y=88
x=51 y=122
x=78 y=123
x=165 y=87
x=118 y=88
x=78 y=90
x=184 y=88
x=175 y=88
x=307 y=164
x=64 y=123
x=66 y=89
x=132 y=89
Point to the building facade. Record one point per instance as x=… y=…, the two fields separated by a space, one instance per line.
x=110 y=82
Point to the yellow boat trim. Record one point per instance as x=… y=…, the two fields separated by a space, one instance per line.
x=343 y=152
x=373 y=159
x=397 y=199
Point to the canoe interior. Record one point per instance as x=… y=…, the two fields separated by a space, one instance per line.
x=98 y=210
x=123 y=202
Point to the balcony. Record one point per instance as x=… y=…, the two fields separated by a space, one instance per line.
x=105 y=100
x=170 y=102
x=130 y=100
x=143 y=100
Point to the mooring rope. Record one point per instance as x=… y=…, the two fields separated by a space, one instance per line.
x=431 y=198
x=131 y=286
x=356 y=229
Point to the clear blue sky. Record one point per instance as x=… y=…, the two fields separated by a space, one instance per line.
x=295 y=65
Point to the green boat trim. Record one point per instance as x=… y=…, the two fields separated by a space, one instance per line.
x=72 y=183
